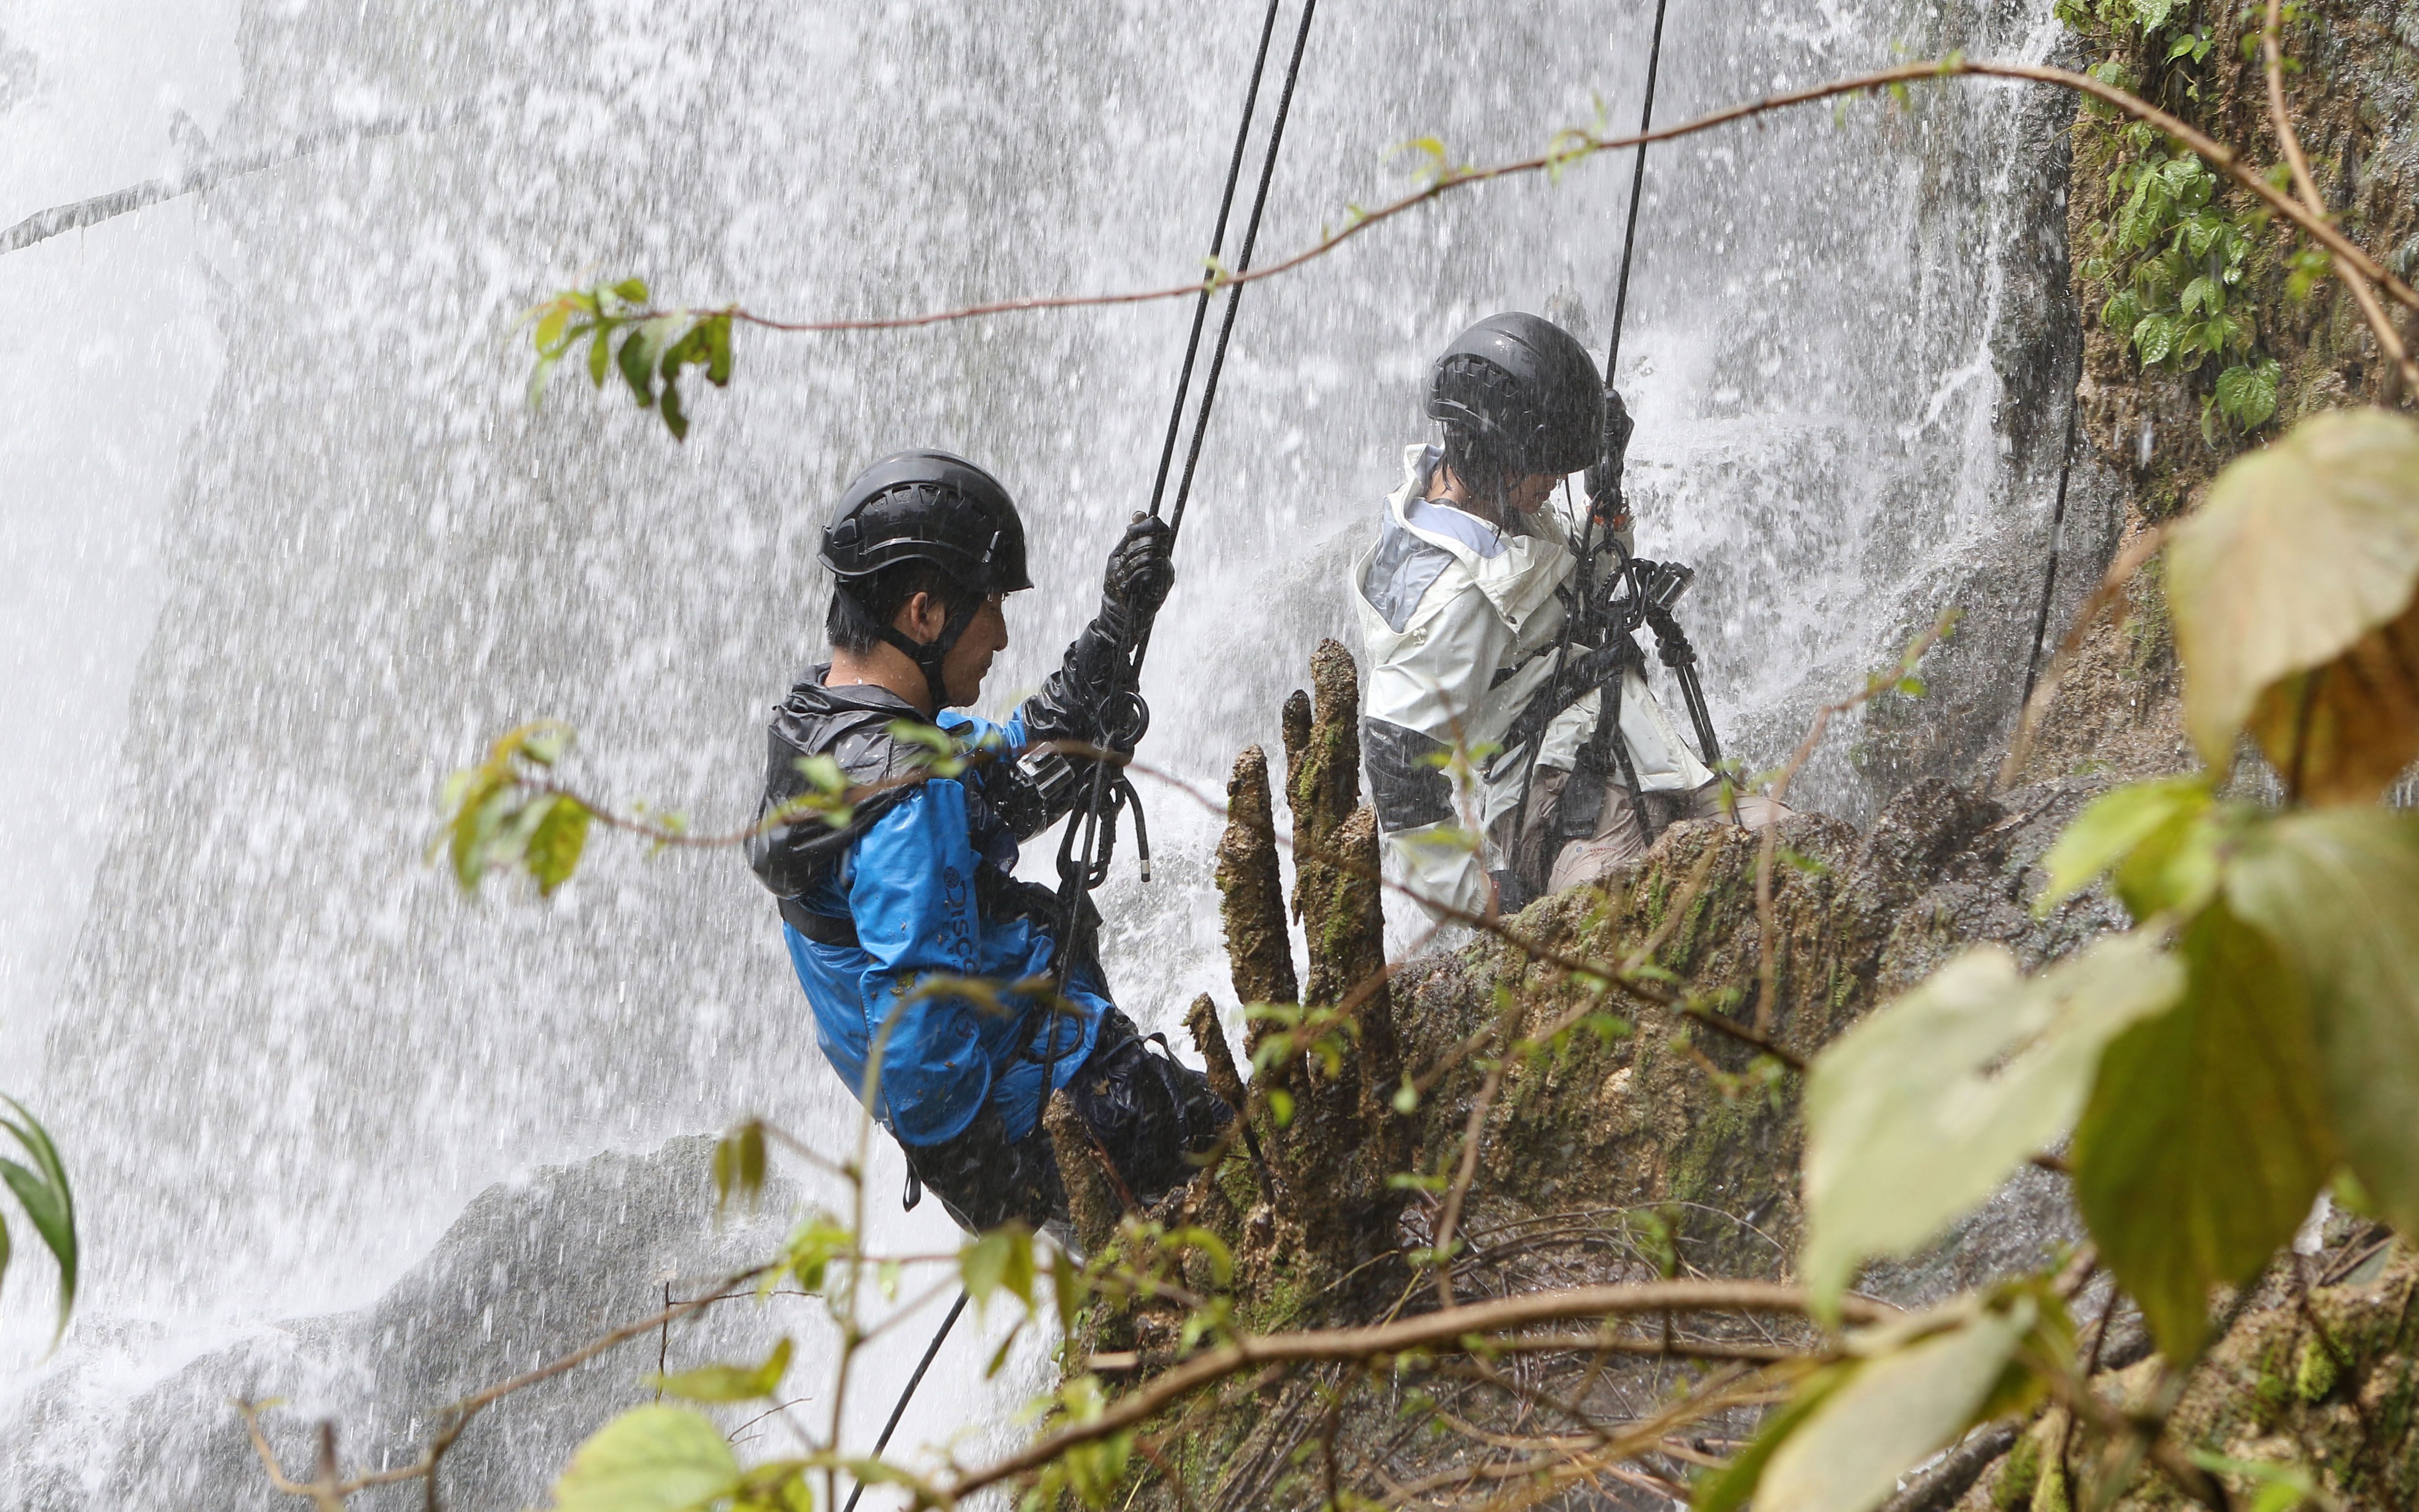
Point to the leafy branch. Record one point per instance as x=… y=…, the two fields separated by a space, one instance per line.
x=41 y=1189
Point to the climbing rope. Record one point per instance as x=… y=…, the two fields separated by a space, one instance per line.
x=2056 y=539
x=1090 y=835
x=1612 y=366
x=1096 y=819
x=915 y=1381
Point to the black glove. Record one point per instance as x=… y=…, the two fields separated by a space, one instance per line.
x=1141 y=571
x=1070 y=704
x=984 y=1178
x=1604 y=475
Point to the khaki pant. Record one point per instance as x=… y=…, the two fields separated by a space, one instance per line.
x=1545 y=858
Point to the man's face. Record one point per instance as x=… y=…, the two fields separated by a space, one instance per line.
x=969 y=661
x=923 y=617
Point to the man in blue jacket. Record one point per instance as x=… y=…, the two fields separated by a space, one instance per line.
x=919 y=884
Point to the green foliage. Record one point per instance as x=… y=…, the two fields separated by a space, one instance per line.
x=2206 y=1139
x=2305 y=556
x=649 y=1459
x=2274 y=1488
x=1094 y=1471
x=41 y=1189
x=1001 y=1260
x=818 y=1240
x=2245 y=398
x=2173 y=261
x=2339 y=891
x=2155 y=835
x=1321 y=1033
x=729 y=1383
x=2287 y=945
x=739 y=1164
x=649 y=348
x=1920 y=1111
x=505 y=814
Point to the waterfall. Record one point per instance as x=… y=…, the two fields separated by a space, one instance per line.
x=286 y=543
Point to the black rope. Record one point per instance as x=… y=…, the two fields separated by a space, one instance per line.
x=1611 y=363
x=1636 y=186
x=1217 y=245
x=1235 y=292
x=1083 y=863
x=931 y=1351
x=2056 y=539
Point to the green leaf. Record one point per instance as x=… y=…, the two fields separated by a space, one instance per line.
x=2277 y=1488
x=1067 y=1288
x=649 y=1459
x=600 y=350
x=555 y=844
x=2206 y=1138
x=2303 y=549
x=2247 y=393
x=1001 y=1259
x=739 y=1164
x=1729 y=1488
x=2338 y=892
x=49 y=1203
x=1893 y=1412
x=730 y=1382
x=2155 y=339
x=1280 y=1107
x=1919 y=1112
x=2141 y=830
x=631 y=291
x=637 y=360
x=812 y=1245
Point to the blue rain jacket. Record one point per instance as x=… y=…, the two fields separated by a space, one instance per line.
x=908 y=884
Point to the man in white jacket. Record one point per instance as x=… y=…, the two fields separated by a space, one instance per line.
x=1462 y=600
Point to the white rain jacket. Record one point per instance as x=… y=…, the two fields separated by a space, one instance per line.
x=1459 y=623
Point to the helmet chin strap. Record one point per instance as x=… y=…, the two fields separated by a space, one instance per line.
x=928 y=654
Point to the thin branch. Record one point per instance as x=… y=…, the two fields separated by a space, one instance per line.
x=2272 y=54
x=1473 y=1130
x=455 y=1418
x=1572 y=146
x=1445 y=1330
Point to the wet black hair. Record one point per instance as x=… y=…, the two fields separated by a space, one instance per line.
x=863 y=607
x=1483 y=470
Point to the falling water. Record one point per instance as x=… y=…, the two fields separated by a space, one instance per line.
x=285 y=542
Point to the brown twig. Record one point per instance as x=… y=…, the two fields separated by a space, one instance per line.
x=455 y=1418
x=1446 y=1330
x=2388 y=338
x=1573 y=147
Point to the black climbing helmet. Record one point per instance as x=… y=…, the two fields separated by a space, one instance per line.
x=1525 y=390
x=929 y=506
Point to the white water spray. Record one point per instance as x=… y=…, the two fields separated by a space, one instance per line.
x=284 y=544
